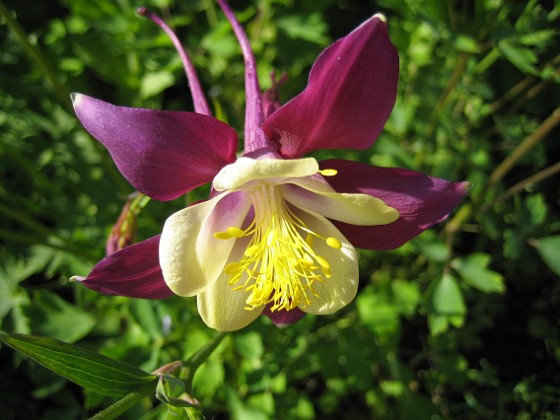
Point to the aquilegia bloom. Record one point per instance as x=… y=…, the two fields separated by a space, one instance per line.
x=279 y=231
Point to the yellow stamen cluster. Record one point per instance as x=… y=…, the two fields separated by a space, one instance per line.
x=279 y=265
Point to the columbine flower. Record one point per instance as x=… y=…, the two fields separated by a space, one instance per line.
x=278 y=234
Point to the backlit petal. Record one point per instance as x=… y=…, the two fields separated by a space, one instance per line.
x=340 y=289
x=163 y=154
x=132 y=271
x=351 y=91
x=355 y=209
x=246 y=170
x=223 y=308
x=186 y=260
x=421 y=201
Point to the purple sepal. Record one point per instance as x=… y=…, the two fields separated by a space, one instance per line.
x=421 y=200
x=163 y=154
x=133 y=271
x=351 y=90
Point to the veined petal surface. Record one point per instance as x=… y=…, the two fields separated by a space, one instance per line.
x=163 y=154
x=421 y=200
x=341 y=287
x=274 y=171
x=190 y=257
x=223 y=308
x=355 y=209
x=351 y=91
x=133 y=271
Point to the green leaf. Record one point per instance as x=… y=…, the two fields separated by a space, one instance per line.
x=473 y=270
x=447 y=298
x=171 y=390
x=53 y=317
x=154 y=83
x=521 y=57
x=549 y=250
x=407 y=296
x=376 y=314
x=437 y=323
x=86 y=368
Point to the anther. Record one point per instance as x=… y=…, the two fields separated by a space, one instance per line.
x=328 y=172
x=235 y=232
x=222 y=235
x=333 y=242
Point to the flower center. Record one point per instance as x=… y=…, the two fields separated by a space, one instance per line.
x=279 y=265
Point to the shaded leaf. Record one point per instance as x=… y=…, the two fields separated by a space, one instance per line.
x=53 y=317
x=86 y=368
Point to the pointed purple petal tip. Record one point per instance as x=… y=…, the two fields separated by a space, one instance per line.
x=163 y=154
x=133 y=271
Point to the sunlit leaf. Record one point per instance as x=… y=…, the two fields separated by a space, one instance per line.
x=474 y=271
x=548 y=248
x=521 y=57
x=448 y=298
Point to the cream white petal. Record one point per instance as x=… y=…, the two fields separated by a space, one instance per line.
x=341 y=287
x=223 y=308
x=186 y=234
x=354 y=209
x=271 y=171
x=212 y=253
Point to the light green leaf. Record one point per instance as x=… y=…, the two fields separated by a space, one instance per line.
x=437 y=324
x=465 y=43
x=171 y=390
x=447 y=298
x=376 y=314
x=548 y=248
x=155 y=82
x=407 y=296
x=86 y=368
x=310 y=28
x=521 y=57
x=473 y=270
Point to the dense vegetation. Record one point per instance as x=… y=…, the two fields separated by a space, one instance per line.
x=462 y=322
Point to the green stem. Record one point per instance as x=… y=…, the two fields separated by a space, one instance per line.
x=533 y=179
x=454 y=80
x=123 y=405
x=198 y=359
x=526 y=145
x=36 y=56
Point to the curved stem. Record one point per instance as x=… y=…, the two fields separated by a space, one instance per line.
x=199 y=99
x=123 y=405
x=198 y=359
x=526 y=145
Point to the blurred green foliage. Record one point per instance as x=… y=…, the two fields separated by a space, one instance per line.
x=462 y=322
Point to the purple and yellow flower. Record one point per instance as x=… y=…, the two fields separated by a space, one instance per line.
x=279 y=233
